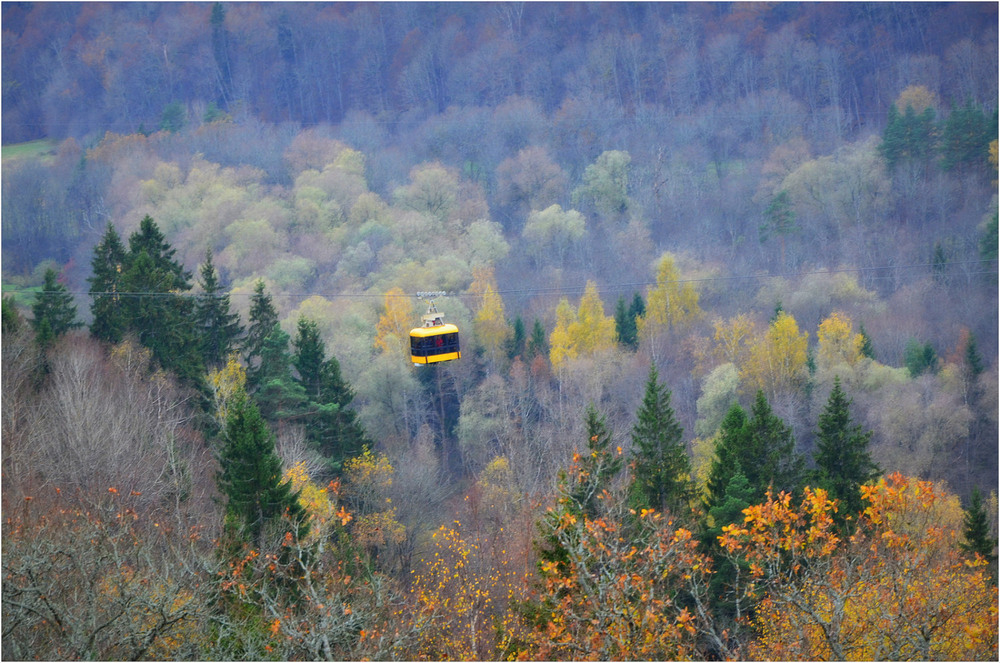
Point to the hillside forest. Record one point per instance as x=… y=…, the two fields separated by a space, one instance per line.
x=726 y=283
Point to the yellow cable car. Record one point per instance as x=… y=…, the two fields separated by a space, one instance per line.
x=436 y=340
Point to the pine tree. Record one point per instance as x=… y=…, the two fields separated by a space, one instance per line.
x=250 y=477
x=108 y=265
x=330 y=423
x=54 y=312
x=218 y=328
x=263 y=320
x=661 y=469
x=843 y=463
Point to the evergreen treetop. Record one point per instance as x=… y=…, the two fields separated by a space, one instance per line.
x=218 y=327
x=843 y=463
x=661 y=468
x=53 y=310
x=251 y=475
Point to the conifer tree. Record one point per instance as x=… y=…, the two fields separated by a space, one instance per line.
x=597 y=467
x=251 y=476
x=218 y=328
x=518 y=339
x=331 y=425
x=537 y=344
x=107 y=266
x=11 y=316
x=661 y=469
x=161 y=318
x=54 y=312
x=976 y=528
x=762 y=445
x=263 y=320
x=843 y=463
x=271 y=383
x=625 y=325
x=580 y=488
x=867 y=349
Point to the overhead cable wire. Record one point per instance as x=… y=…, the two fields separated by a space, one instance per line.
x=557 y=289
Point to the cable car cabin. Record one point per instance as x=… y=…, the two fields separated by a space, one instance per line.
x=429 y=345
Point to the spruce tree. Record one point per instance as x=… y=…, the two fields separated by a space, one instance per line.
x=54 y=312
x=271 y=383
x=537 y=344
x=250 y=477
x=108 y=266
x=597 y=467
x=218 y=328
x=518 y=339
x=331 y=425
x=161 y=318
x=263 y=319
x=762 y=445
x=625 y=325
x=661 y=469
x=580 y=489
x=976 y=528
x=11 y=316
x=723 y=590
x=867 y=349
x=843 y=463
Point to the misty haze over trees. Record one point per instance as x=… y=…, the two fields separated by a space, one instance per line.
x=698 y=253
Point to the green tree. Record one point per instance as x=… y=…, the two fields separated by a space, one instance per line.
x=597 y=468
x=976 y=528
x=218 y=328
x=966 y=138
x=762 y=445
x=605 y=182
x=330 y=423
x=779 y=221
x=537 y=343
x=107 y=266
x=988 y=241
x=919 y=358
x=153 y=307
x=251 y=477
x=11 y=317
x=581 y=489
x=279 y=395
x=173 y=117
x=867 y=349
x=263 y=319
x=661 y=469
x=53 y=310
x=161 y=319
x=516 y=345
x=626 y=327
x=908 y=137
x=843 y=463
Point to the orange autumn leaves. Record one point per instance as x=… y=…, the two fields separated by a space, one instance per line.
x=895 y=588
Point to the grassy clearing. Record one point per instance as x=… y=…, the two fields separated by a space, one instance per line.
x=33 y=148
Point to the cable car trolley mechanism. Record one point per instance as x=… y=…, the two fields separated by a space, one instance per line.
x=435 y=340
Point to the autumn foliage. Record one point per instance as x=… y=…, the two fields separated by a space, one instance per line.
x=898 y=588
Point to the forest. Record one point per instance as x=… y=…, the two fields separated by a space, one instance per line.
x=726 y=281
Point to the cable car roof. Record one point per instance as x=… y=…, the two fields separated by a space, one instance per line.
x=424 y=332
